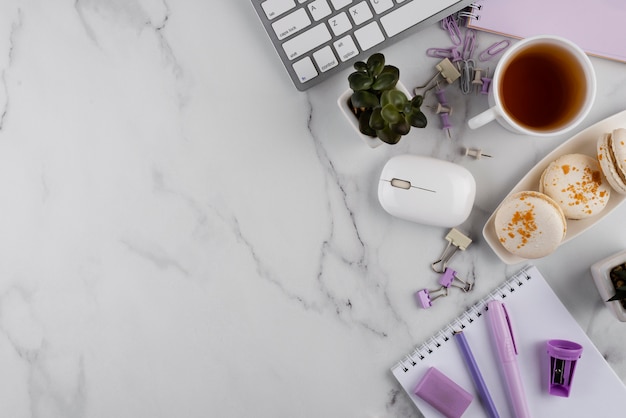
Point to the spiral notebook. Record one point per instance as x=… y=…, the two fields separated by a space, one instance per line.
x=596 y=27
x=537 y=315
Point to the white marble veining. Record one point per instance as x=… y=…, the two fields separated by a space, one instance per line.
x=184 y=234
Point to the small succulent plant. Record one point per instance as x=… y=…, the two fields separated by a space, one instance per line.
x=382 y=110
x=618 y=278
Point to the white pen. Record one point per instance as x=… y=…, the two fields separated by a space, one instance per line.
x=504 y=344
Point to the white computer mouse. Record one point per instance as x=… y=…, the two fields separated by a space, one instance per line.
x=426 y=190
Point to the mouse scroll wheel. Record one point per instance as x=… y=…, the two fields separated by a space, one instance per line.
x=401 y=184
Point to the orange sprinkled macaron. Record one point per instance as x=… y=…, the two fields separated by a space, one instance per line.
x=530 y=224
x=575 y=182
x=611 y=149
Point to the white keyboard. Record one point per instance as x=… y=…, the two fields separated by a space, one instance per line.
x=317 y=38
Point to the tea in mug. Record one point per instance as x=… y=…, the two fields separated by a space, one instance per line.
x=543 y=87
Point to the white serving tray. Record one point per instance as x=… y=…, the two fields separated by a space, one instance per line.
x=583 y=142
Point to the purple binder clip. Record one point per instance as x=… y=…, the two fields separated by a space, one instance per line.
x=448 y=277
x=563 y=356
x=425 y=297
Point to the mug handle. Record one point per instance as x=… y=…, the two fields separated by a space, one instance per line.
x=483 y=118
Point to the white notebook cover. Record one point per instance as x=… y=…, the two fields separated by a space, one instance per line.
x=537 y=316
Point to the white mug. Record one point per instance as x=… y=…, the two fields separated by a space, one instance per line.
x=542 y=86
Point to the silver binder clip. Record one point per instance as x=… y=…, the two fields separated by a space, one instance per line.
x=425 y=297
x=456 y=241
x=448 y=278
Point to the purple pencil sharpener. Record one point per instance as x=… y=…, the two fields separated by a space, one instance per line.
x=563 y=357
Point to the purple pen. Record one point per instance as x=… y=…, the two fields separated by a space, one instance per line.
x=477 y=377
x=504 y=344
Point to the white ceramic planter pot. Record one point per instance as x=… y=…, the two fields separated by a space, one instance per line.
x=342 y=102
x=600 y=272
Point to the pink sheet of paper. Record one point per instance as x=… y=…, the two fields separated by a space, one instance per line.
x=596 y=26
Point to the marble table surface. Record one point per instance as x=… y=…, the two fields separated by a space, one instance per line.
x=184 y=234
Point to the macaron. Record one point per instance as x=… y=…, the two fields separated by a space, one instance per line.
x=575 y=182
x=611 y=149
x=530 y=224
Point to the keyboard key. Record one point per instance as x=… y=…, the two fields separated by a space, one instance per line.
x=369 y=35
x=346 y=48
x=291 y=24
x=305 y=69
x=306 y=41
x=275 y=8
x=410 y=14
x=338 y=4
x=317 y=38
x=360 y=13
x=319 y=9
x=381 y=5
x=325 y=59
x=340 y=24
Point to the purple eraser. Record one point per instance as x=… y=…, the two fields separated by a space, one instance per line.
x=563 y=357
x=443 y=394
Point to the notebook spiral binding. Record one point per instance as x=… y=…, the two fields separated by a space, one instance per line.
x=470 y=12
x=462 y=321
